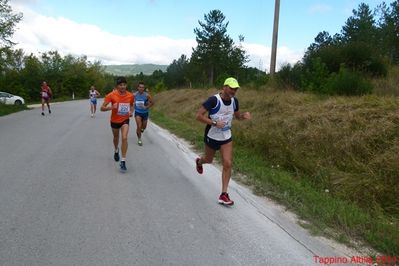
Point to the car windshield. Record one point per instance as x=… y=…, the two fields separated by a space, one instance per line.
x=5 y=94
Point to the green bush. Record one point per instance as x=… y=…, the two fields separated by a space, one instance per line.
x=260 y=80
x=347 y=83
x=290 y=77
x=315 y=76
x=363 y=58
x=329 y=55
x=159 y=86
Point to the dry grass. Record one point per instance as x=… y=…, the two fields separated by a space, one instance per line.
x=387 y=86
x=348 y=145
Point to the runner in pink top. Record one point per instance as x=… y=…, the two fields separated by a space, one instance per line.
x=46 y=94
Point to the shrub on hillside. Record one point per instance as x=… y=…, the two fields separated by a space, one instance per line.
x=348 y=83
x=387 y=86
x=363 y=58
x=259 y=80
x=330 y=56
x=315 y=76
x=159 y=86
x=290 y=76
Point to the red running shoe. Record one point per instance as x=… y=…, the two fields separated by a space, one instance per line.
x=200 y=170
x=224 y=199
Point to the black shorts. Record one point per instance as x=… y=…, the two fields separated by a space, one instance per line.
x=215 y=144
x=144 y=116
x=119 y=125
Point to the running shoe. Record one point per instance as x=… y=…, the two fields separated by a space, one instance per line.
x=116 y=156
x=49 y=111
x=42 y=113
x=123 y=166
x=139 y=142
x=142 y=130
x=224 y=199
x=199 y=167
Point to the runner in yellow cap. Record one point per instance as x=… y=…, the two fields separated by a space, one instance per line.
x=217 y=112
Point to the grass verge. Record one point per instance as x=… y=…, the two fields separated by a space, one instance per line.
x=9 y=109
x=328 y=215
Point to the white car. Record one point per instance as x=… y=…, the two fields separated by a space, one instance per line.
x=8 y=98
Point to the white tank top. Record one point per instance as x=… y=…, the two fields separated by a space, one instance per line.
x=93 y=94
x=221 y=112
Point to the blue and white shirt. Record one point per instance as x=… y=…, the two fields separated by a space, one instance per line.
x=93 y=96
x=141 y=100
x=220 y=110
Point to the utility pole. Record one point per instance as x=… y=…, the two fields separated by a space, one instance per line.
x=275 y=35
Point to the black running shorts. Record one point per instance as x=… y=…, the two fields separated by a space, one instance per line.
x=215 y=144
x=119 y=125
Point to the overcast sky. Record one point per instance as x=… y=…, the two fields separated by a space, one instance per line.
x=159 y=31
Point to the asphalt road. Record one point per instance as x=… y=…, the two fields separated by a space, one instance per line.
x=63 y=201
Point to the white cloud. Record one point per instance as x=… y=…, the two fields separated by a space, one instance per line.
x=260 y=56
x=14 y=3
x=37 y=34
x=320 y=8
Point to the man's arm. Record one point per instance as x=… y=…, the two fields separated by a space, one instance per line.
x=202 y=117
x=132 y=106
x=150 y=102
x=242 y=116
x=104 y=106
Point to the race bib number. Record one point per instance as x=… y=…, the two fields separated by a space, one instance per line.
x=225 y=128
x=123 y=108
x=44 y=94
x=226 y=121
x=140 y=104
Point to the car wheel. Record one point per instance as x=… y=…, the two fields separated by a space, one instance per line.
x=18 y=102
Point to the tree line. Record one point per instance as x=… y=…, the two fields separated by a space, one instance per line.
x=215 y=57
x=343 y=64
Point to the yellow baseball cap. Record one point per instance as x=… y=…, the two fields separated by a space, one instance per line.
x=232 y=83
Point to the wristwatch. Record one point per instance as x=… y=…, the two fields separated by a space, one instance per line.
x=214 y=123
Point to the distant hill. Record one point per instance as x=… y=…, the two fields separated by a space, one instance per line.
x=127 y=70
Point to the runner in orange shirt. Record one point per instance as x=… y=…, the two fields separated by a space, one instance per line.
x=121 y=106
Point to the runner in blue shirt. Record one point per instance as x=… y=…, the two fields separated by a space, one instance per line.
x=143 y=102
